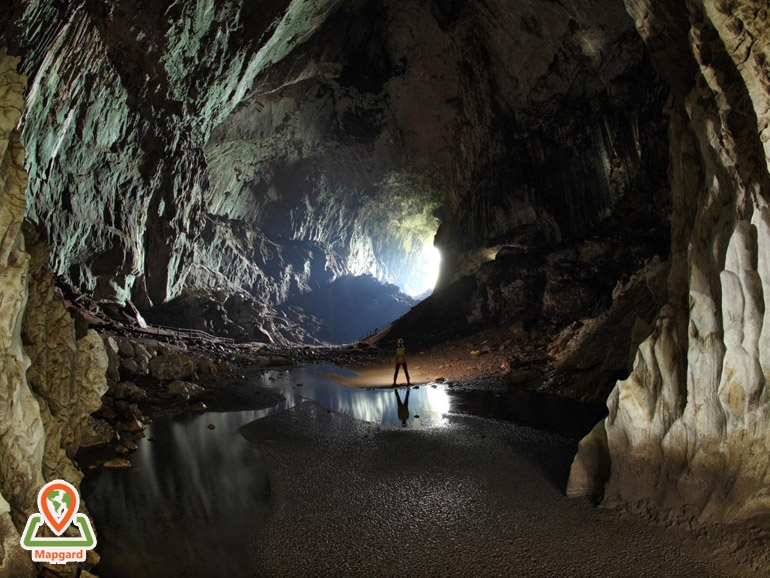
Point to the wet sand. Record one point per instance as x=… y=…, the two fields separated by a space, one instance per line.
x=466 y=497
x=382 y=376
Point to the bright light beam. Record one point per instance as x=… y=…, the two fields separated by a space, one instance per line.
x=425 y=272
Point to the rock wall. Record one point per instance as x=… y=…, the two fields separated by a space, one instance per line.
x=121 y=103
x=21 y=428
x=168 y=150
x=111 y=144
x=557 y=135
x=50 y=378
x=68 y=367
x=181 y=147
x=688 y=430
x=506 y=123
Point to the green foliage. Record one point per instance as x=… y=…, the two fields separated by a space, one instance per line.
x=401 y=216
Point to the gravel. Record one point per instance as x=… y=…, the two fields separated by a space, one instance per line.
x=464 y=496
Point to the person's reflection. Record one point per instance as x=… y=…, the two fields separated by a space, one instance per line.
x=403 y=407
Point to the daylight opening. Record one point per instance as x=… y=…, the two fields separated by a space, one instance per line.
x=425 y=272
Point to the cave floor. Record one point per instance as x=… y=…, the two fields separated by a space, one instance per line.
x=471 y=497
x=478 y=357
x=497 y=358
x=465 y=496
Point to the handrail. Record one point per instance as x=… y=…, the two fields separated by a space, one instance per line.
x=192 y=333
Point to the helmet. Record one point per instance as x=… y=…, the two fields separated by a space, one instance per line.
x=400 y=342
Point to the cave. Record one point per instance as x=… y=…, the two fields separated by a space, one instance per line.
x=220 y=219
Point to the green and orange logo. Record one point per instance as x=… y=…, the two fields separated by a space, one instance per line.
x=58 y=502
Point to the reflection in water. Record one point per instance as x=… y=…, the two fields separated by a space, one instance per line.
x=195 y=497
x=542 y=411
x=430 y=403
x=403 y=407
x=189 y=505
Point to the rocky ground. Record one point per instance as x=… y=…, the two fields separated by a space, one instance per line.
x=155 y=373
x=498 y=358
x=474 y=498
x=152 y=375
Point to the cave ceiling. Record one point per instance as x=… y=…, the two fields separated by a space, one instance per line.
x=270 y=146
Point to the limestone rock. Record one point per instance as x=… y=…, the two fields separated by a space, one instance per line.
x=164 y=349
x=128 y=391
x=117 y=464
x=205 y=366
x=184 y=389
x=129 y=368
x=44 y=418
x=590 y=472
x=131 y=358
x=15 y=561
x=250 y=158
x=125 y=347
x=113 y=359
x=173 y=366
x=59 y=360
x=198 y=407
x=22 y=436
x=142 y=355
x=98 y=432
x=688 y=430
x=92 y=559
x=188 y=163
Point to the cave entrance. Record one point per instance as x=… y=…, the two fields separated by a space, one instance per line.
x=399 y=218
x=424 y=274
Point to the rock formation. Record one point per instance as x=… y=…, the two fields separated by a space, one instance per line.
x=213 y=163
x=21 y=430
x=687 y=430
x=51 y=379
x=267 y=152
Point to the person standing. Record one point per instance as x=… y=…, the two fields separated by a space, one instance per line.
x=401 y=360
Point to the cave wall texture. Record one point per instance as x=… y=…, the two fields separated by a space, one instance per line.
x=269 y=150
x=688 y=430
x=51 y=377
x=247 y=153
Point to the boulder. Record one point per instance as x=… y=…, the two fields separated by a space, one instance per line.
x=125 y=347
x=206 y=366
x=129 y=368
x=99 y=432
x=164 y=349
x=142 y=355
x=172 y=366
x=113 y=358
x=117 y=464
x=126 y=390
x=184 y=389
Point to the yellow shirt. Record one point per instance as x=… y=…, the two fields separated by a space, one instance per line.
x=400 y=355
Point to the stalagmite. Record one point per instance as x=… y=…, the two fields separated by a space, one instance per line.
x=688 y=431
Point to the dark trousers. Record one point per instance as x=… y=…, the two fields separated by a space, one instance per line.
x=406 y=372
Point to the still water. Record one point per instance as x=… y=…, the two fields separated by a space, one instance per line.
x=194 y=498
x=429 y=405
x=189 y=504
x=425 y=406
